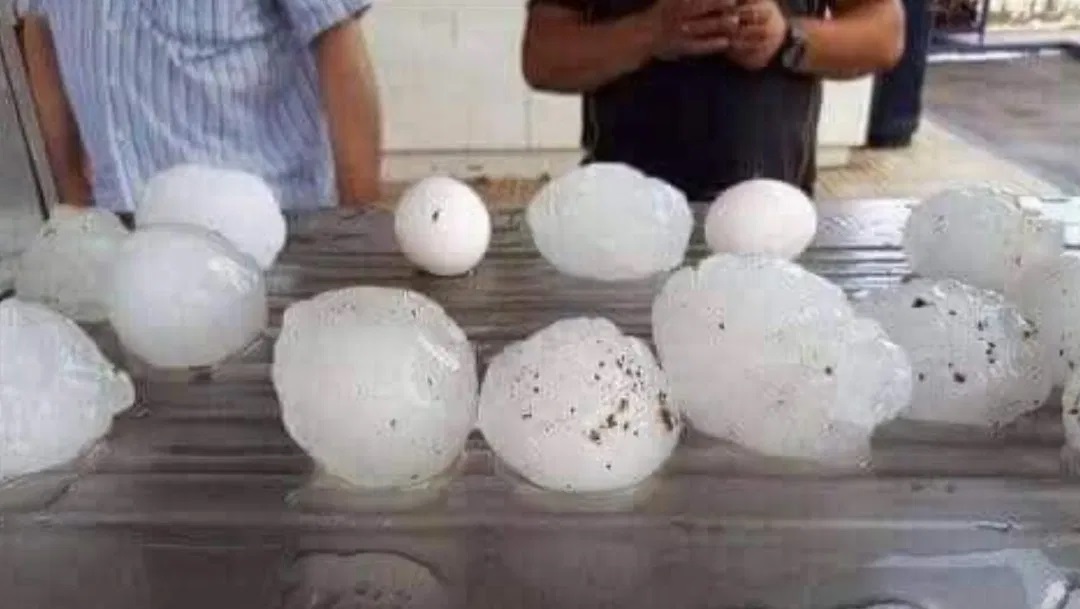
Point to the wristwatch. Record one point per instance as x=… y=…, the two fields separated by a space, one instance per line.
x=792 y=52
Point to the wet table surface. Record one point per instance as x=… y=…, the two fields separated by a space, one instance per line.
x=198 y=498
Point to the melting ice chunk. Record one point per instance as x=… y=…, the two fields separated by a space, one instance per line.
x=58 y=393
x=772 y=357
x=976 y=360
x=579 y=407
x=985 y=237
x=238 y=206
x=66 y=267
x=182 y=296
x=1049 y=296
x=378 y=385
x=610 y=222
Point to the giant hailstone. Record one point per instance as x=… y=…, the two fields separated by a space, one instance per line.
x=58 y=393
x=579 y=407
x=976 y=360
x=769 y=356
x=239 y=206
x=610 y=222
x=378 y=385
x=1049 y=297
x=66 y=267
x=761 y=217
x=442 y=226
x=985 y=237
x=181 y=297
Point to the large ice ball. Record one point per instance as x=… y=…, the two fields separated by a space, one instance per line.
x=579 y=407
x=772 y=357
x=976 y=360
x=610 y=222
x=985 y=237
x=442 y=226
x=761 y=217
x=1049 y=297
x=58 y=393
x=239 y=206
x=66 y=267
x=378 y=385
x=182 y=296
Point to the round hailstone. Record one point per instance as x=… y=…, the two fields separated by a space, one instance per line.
x=976 y=360
x=761 y=217
x=579 y=407
x=182 y=296
x=239 y=206
x=772 y=357
x=369 y=580
x=610 y=222
x=1009 y=233
x=1049 y=297
x=58 y=393
x=378 y=385
x=66 y=267
x=442 y=226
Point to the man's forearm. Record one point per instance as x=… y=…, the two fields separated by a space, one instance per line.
x=351 y=100
x=63 y=145
x=563 y=53
x=859 y=40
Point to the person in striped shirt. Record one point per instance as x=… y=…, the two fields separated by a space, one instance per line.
x=283 y=89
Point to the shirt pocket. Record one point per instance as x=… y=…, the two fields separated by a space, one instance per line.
x=208 y=25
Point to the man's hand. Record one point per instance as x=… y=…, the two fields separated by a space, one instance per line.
x=760 y=34
x=692 y=27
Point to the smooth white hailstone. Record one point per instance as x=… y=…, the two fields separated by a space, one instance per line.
x=66 y=267
x=761 y=216
x=182 y=296
x=579 y=407
x=237 y=205
x=610 y=222
x=976 y=360
x=58 y=393
x=442 y=226
x=378 y=385
x=985 y=237
x=767 y=355
x=1049 y=297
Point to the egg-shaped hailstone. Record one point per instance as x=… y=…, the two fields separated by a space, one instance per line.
x=237 y=205
x=981 y=236
x=442 y=226
x=66 y=267
x=761 y=217
x=976 y=360
x=579 y=407
x=1049 y=297
x=182 y=296
x=610 y=222
x=58 y=393
x=769 y=356
x=378 y=385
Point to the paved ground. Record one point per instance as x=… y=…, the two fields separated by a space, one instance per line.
x=1026 y=110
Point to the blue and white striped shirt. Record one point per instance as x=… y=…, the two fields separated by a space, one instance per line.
x=231 y=83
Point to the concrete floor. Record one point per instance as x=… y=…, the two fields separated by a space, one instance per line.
x=1026 y=110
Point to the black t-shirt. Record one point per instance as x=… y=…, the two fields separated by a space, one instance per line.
x=703 y=124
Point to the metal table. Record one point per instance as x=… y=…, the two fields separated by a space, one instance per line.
x=198 y=498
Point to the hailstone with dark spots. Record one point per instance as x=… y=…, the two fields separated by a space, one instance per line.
x=377 y=384
x=1049 y=297
x=610 y=222
x=579 y=407
x=976 y=360
x=983 y=236
x=769 y=356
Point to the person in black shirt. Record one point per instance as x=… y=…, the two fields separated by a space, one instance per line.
x=706 y=93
